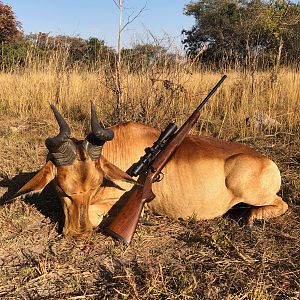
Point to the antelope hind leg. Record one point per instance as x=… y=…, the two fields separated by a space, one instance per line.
x=275 y=209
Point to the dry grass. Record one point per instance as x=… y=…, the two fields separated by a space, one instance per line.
x=154 y=96
x=215 y=259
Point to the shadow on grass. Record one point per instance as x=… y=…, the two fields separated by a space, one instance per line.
x=47 y=202
x=238 y=213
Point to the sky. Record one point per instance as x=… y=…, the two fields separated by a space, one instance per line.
x=160 y=19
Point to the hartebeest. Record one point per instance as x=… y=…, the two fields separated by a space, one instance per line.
x=204 y=179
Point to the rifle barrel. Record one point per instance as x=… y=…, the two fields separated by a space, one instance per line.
x=211 y=93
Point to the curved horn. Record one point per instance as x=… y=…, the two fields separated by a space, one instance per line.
x=99 y=135
x=98 y=131
x=62 y=150
x=53 y=143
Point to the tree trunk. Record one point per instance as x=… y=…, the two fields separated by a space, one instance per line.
x=248 y=54
x=278 y=56
x=118 y=69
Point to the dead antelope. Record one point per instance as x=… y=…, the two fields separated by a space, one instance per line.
x=204 y=179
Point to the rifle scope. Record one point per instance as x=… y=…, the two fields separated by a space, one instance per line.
x=153 y=151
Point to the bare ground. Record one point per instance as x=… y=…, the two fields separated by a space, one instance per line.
x=168 y=259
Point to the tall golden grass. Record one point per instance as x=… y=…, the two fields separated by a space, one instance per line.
x=155 y=95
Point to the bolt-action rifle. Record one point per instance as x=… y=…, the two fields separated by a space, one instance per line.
x=149 y=168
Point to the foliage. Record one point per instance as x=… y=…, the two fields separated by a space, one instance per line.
x=79 y=50
x=227 y=33
x=143 y=55
x=18 y=53
x=73 y=50
x=96 y=50
x=90 y=53
x=241 y=32
x=10 y=28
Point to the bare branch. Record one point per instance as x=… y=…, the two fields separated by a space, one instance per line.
x=117 y=5
x=129 y=21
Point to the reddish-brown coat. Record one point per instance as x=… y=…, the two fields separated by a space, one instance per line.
x=204 y=179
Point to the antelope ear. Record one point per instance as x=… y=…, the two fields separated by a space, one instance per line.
x=39 y=180
x=112 y=172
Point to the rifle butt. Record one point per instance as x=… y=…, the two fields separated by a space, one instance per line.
x=124 y=224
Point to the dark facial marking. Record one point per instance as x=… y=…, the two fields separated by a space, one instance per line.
x=81 y=218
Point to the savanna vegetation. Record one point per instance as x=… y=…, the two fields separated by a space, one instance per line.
x=256 y=43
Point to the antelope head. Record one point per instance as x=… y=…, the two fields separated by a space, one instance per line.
x=78 y=170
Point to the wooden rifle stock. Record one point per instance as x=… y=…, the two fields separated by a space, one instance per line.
x=124 y=224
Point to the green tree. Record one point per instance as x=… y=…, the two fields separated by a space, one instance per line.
x=98 y=51
x=280 y=19
x=239 y=31
x=222 y=31
x=78 y=49
x=144 y=55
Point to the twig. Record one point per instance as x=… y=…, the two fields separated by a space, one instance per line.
x=283 y=235
x=120 y=293
x=241 y=255
x=129 y=21
x=132 y=283
x=83 y=296
x=117 y=5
